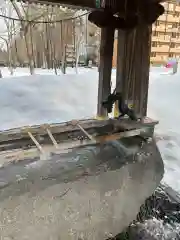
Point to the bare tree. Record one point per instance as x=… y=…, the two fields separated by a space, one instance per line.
x=66 y=38
x=9 y=31
x=28 y=14
x=38 y=36
x=80 y=30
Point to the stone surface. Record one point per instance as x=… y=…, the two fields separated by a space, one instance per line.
x=87 y=193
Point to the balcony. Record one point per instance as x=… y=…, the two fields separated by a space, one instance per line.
x=162 y=49
x=175 y=50
x=175 y=40
x=159 y=59
x=165 y=49
x=178 y=8
x=168 y=18
x=165 y=39
x=171 y=6
x=164 y=28
x=162 y=17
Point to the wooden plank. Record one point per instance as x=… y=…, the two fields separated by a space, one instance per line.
x=106 y=55
x=133 y=61
x=94 y=126
x=117 y=136
x=128 y=124
x=15 y=155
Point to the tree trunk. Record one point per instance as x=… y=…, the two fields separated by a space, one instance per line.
x=29 y=55
x=9 y=45
x=63 y=61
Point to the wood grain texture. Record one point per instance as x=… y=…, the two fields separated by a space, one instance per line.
x=66 y=132
x=133 y=66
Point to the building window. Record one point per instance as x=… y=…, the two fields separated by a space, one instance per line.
x=91 y=34
x=176 y=14
x=174 y=34
x=161 y=44
x=175 y=25
x=172 y=45
x=153 y=54
x=155 y=33
x=157 y=23
x=171 y=6
x=154 y=44
x=174 y=7
x=170 y=55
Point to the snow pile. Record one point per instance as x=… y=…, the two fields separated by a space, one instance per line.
x=37 y=99
x=158 y=219
x=154 y=229
x=163 y=105
x=19 y=72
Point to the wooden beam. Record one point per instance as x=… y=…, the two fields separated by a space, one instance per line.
x=106 y=54
x=87 y=4
x=69 y=132
x=133 y=61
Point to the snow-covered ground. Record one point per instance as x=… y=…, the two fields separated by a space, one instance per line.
x=45 y=97
x=28 y=100
x=163 y=104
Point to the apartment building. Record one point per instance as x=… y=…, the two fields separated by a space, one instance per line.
x=166 y=34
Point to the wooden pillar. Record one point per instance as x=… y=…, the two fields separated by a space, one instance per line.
x=133 y=61
x=106 y=54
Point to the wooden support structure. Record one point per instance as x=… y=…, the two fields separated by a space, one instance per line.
x=69 y=132
x=133 y=61
x=93 y=180
x=133 y=56
x=106 y=55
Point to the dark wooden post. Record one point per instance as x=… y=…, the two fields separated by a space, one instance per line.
x=133 y=61
x=106 y=54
